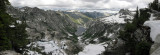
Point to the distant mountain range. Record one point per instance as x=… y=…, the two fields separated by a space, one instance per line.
x=88 y=10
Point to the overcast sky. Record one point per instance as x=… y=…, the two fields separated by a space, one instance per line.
x=50 y=4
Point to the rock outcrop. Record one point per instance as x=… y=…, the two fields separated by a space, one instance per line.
x=155 y=49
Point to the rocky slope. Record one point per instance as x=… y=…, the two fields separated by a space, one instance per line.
x=51 y=32
x=47 y=27
x=107 y=27
x=103 y=33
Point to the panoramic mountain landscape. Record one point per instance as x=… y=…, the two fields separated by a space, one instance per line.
x=79 y=27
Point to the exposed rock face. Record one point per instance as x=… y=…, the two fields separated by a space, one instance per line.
x=125 y=12
x=155 y=49
x=143 y=34
x=101 y=31
x=115 y=48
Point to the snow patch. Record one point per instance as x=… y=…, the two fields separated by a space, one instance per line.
x=22 y=10
x=105 y=34
x=109 y=36
x=12 y=26
x=155 y=28
x=152 y=17
x=95 y=39
x=116 y=18
x=48 y=47
x=93 y=49
x=33 y=53
x=154 y=25
x=18 y=21
x=70 y=34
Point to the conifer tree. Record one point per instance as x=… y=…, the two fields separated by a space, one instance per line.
x=154 y=5
x=4 y=25
x=11 y=38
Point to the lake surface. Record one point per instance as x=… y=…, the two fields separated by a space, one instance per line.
x=80 y=31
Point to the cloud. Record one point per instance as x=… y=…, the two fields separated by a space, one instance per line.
x=118 y=4
x=94 y=1
x=50 y=4
x=127 y=0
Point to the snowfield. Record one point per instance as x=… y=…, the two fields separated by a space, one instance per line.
x=118 y=18
x=50 y=47
x=154 y=25
x=155 y=28
x=93 y=49
x=33 y=53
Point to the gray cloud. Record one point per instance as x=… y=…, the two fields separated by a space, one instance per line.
x=49 y=4
x=106 y=1
x=94 y=1
x=127 y=0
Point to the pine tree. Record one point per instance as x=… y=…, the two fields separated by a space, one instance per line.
x=20 y=34
x=154 y=5
x=4 y=24
x=11 y=38
x=136 y=17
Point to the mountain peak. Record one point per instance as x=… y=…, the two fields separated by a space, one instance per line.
x=125 y=12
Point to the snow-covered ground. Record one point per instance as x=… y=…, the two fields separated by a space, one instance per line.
x=12 y=26
x=93 y=49
x=49 y=47
x=116 y=19
x=155 y=28
x=33 y=53
x=154 y=25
